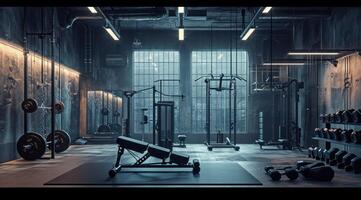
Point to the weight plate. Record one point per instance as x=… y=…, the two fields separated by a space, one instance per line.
x=116 y=128
x=104 y=128
x=105 y=111
x=62 y=141
x=116 y=114
x=59 y=107
x=31 y=146
x=29 y=105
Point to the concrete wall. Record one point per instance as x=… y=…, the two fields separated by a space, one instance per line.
x=325 y=89
x=121 y=77
x=12 y=76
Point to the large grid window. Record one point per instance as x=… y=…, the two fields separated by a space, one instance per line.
x=217 y=62
x=149 y=66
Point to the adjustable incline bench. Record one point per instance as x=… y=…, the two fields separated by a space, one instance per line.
x=169 y=159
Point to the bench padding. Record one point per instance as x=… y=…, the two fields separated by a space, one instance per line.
x=178 y=158
x=158 y=152
x=132 y=144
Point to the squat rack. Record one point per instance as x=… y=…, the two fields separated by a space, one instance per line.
x=130 y=93
x=232 y=109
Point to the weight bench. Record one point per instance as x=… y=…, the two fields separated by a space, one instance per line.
x=280 y=142
x=169 y=159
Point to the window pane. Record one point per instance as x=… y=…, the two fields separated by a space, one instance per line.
x=150 y=66
x=217 y=62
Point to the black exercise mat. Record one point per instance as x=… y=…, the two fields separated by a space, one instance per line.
x=212 y=173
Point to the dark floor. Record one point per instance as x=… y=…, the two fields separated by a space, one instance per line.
x=20 y=173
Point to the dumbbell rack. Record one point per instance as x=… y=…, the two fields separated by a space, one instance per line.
x=329 y=141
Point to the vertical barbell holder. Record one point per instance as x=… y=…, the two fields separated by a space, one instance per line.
x=52 y=87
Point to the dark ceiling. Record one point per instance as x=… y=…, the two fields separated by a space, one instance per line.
x=203 y=18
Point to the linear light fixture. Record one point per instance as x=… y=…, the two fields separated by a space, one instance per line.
x=266 y=10
x=110 y=30
x=313 y=53
x=180 y=10
x=181 y=33
x=93 y=10
x=249 y=33
x=284 y=63
x=111 y=33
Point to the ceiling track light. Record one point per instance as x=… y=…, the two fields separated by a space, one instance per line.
x=266 y=10
x=248 y=33
x=181 y=33
x=93 y=10
x=180 y=10
x=111 y=32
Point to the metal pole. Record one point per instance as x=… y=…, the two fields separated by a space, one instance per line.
x=208 y=127
x=127 y=132
x=102 y=107
x=230 y=109
x=25 y=73
x=52 y=89
x=160 y=89
x=235 y=112
x=154 y=115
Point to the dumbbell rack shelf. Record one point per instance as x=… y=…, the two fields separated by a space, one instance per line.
x=329 y=141
x=336 y=141
x=344 y=123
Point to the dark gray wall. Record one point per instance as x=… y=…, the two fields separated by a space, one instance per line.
x=67 y=52
x=325 y=91
x=121 y=77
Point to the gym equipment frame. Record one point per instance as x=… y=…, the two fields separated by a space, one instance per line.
x=42 y=35
x=169 y=159
x=232 y=110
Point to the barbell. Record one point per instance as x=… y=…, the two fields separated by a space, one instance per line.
x=31 y=105
x=32 y=145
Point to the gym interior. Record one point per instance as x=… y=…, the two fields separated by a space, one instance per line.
x=162 y=96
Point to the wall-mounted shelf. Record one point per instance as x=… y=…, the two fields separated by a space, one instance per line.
x=344 y=123
x=337 y=142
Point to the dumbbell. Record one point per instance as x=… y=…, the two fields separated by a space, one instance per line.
x=332 y=117
x=276 y=174
x=104 y=111
x=31 y=105
x=328 y=117
x=32 y=146
x=347 y=115
x=335 y=134
x=356 y=116
x=317 y=154
x=347 y=161
x=318 y=133
x=338 y=157
x=315 y=170
x=346 y=135
x=330 y=134
x=338 y=116
x=356 y=165
x=324 y=132
x=310 y=152
x=356 y=137
x=322 y=118
x=318 y=173
x=330 y=154
x=320 y=154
